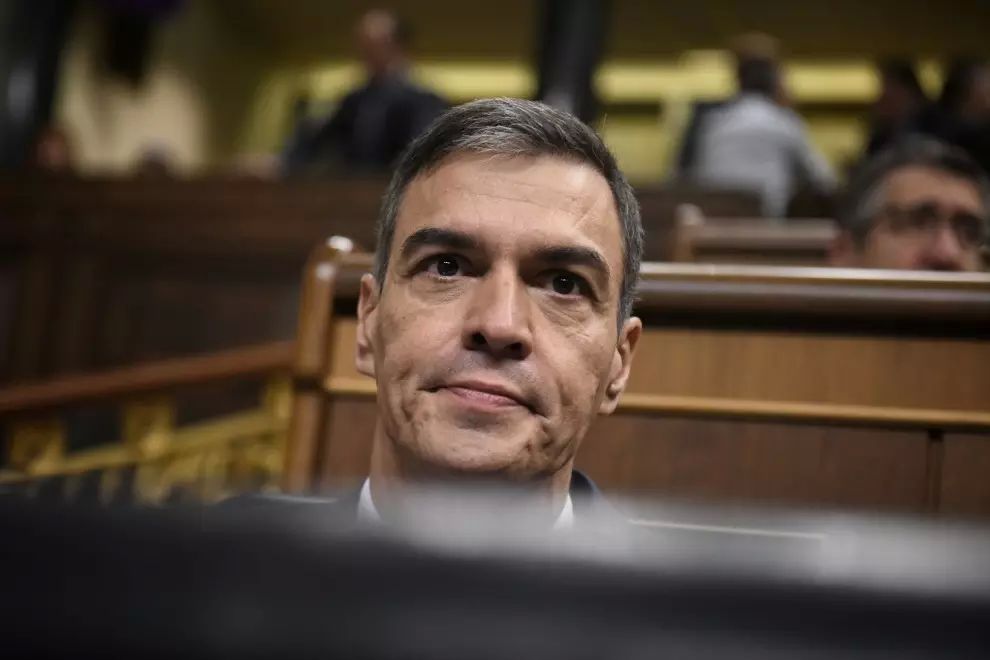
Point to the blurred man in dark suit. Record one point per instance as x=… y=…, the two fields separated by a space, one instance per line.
x=899 y=109
x=921 y=205
x=962 y=114
x=375 y=122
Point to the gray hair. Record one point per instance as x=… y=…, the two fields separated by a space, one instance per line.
x=865 y=192
x=514 y=127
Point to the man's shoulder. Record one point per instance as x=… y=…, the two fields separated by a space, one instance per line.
x=339 y=510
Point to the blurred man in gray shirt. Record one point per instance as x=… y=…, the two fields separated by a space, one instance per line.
x=755 y=143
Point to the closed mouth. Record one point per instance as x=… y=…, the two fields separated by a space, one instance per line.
x=487 y=394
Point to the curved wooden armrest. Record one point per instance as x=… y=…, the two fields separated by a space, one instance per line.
x=144 y=378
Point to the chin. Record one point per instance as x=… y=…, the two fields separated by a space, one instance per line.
x=486 y=451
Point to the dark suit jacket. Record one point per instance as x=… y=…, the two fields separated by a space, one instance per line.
x=688 y=153
x=369 y=130
x=341 y=512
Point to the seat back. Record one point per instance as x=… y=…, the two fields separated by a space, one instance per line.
x=700 y=239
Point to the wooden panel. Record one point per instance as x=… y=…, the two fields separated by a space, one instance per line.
x=756 y=462
x=965 y=487
x=115 y=271
x=777 y=366
x=752 y=241
x=350 y=429
x=659 y=204
x=169 y=308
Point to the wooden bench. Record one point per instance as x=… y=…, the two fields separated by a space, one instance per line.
x=796 y=242
x=97 y=274
x=659 y=210
x=795 y=386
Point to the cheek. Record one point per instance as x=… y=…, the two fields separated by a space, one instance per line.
x=409 y=344
x=886 y=251
x=580 y=365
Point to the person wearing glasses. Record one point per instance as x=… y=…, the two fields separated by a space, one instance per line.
x=920 y=205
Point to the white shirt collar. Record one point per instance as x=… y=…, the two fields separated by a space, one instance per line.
x=368 y=513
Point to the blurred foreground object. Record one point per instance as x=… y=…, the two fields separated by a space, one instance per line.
x=485 y=584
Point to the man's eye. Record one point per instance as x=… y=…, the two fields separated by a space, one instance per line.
x=445 y=265
x=567 y=284
x=971 y=230
x=920 y=218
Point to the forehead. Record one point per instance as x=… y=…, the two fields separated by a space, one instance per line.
x=515 y=204
x=916 y=184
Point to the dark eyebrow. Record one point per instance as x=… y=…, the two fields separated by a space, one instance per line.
x=434 y=236
x=572 y=255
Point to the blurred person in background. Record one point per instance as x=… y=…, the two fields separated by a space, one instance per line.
x=497 y=324
x=155 y=162
x=899 y=110
x=962 y=114
x=920 y=205
x=754 y=142
x=749 y=46
x=375 y=122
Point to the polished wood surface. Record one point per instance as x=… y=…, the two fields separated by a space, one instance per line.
x=701 y=239
x=168 y=375
x=312 y=359
x=659 y=207
x=965 y=488
x=655 y=453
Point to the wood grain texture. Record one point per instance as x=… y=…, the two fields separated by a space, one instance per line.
x=804 y=242
x=646 y=453
x=142 y=378
x=965 y=483
x=868 y=370
x=349 y=431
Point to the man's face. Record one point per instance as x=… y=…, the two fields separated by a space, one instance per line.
x=924 y=220
x=494 y=341
x=375 y=41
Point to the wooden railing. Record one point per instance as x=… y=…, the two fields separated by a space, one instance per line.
x=154 y=459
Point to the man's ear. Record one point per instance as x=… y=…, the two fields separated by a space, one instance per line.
x=366 y=316
x=618 y=374
x=843 y=252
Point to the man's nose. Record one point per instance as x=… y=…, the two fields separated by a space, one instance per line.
x=498 y=320
x=945 y=252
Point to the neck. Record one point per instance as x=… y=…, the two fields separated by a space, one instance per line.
x=396 y=67
x=393 y=470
